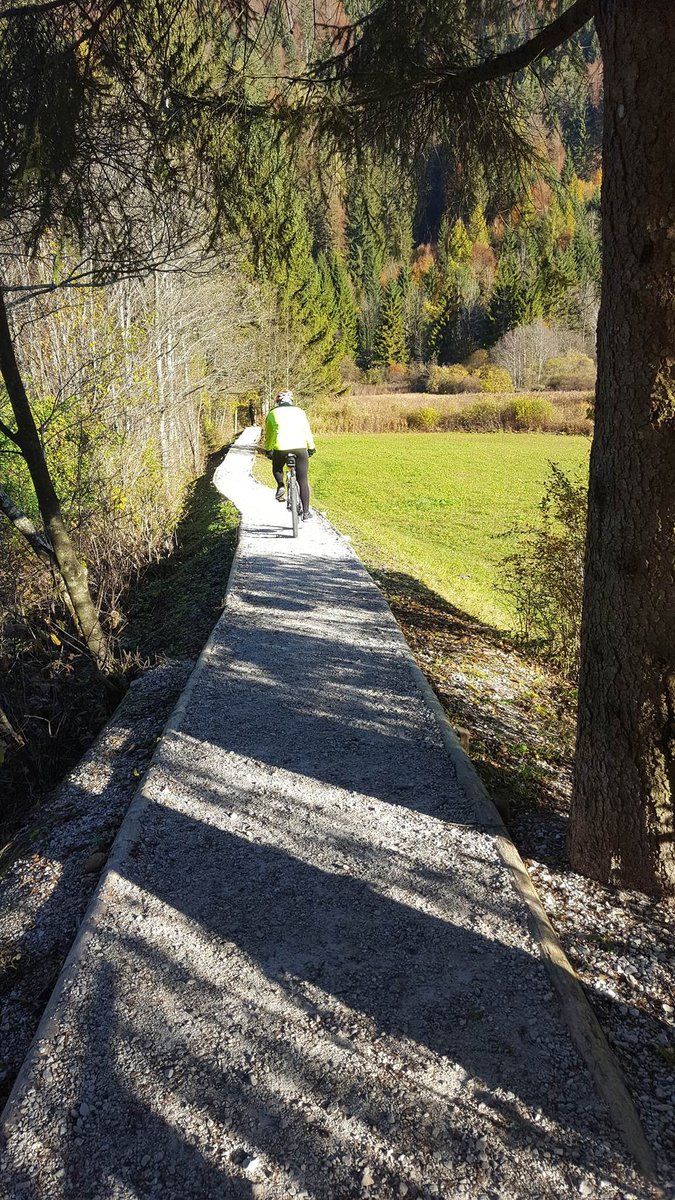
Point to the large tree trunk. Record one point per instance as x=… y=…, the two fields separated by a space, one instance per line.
x=72 y=571
x=621 y=826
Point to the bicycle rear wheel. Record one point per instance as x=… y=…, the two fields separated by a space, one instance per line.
x=294 y=494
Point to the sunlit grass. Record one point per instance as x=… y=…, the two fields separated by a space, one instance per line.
x=442 y=507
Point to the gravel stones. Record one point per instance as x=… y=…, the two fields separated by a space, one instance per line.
x=94 y=863
x=303 y=970
x=45 y=890
x=621 y=943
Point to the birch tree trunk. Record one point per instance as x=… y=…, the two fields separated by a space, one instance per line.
x=621 y=826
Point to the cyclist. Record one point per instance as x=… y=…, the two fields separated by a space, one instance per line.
x=287 y=431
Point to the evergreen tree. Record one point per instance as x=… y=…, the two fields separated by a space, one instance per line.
x=515 y=299
x=586 y=249
x=454 y=244
x=328 y=293
x=555 y=280
x=442 y=334
x=392 y=94
x=455 y=325
x=365 y=240
x=477 y=228
x=346 y=308
x=452 y=317
x=306 y=302
x=389 y=346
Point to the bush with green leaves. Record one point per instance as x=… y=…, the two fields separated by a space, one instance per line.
x=423 y=419
x=574 y=372
x=477 y=359
x=545 y=575
x=491 y=378
x=447 y=381
x=483 y=416
x=528 y=414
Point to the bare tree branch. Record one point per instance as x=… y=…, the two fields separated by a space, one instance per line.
x=26 y=528
x=9 y=434
x=7 y=730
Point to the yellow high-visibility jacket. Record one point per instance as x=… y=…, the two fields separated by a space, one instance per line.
x=287 y=428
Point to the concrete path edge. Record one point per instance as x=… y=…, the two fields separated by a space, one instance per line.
x=584 y=1027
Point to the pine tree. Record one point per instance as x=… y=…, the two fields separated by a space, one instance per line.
x=453 y=245
x=365 y=240
x=555 y=280
x=443 y=328
x=515 y=299
x=586 y=249
x=346 y=309
x=306 y=303
x=454 y=323
x=477 y=229
x=389 y=347
x=328 y=293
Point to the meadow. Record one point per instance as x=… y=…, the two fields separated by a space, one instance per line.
x=444 y=508
x=374 y=411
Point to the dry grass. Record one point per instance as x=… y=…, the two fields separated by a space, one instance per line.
x=387 y=412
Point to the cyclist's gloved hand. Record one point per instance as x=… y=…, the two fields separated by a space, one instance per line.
x=311 y=452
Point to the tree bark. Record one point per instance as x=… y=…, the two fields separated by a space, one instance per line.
x=621 y=825
x=72 y=571
x=23 y=525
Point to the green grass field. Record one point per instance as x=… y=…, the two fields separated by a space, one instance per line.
x=441 y=507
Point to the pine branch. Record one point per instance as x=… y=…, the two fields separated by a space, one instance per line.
x=410 y=75
x=512 y=61
x=32 y=10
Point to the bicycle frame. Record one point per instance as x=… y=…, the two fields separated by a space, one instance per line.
x=293 y=494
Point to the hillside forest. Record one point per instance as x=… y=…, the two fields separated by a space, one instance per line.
x=185 y=227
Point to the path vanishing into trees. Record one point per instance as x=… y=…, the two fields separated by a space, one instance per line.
x=307 y=971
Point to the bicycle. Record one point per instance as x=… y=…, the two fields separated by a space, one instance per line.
x=293 y=502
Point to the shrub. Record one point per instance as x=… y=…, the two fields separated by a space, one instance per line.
x=397 y=375
x=373 y=375
x=493 y=379
x=423 y=418
x=349 y=372
x=334 y=418
x=570 y=373
x=418 y=377
x=477 y=358
x=528 y=413
x=545 y=575
x=448 y=380
x=484 y=416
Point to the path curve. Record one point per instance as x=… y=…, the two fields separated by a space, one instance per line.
x=306 y=972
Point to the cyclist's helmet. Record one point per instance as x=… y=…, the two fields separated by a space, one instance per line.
x=284 y=398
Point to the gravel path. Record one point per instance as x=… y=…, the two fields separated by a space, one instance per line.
x=306 y=972
x=50 y=870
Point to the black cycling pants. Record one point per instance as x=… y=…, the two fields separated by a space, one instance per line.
x=301 y=470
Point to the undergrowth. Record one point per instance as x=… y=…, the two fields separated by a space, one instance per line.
x=177 y=601
x=56 y=702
